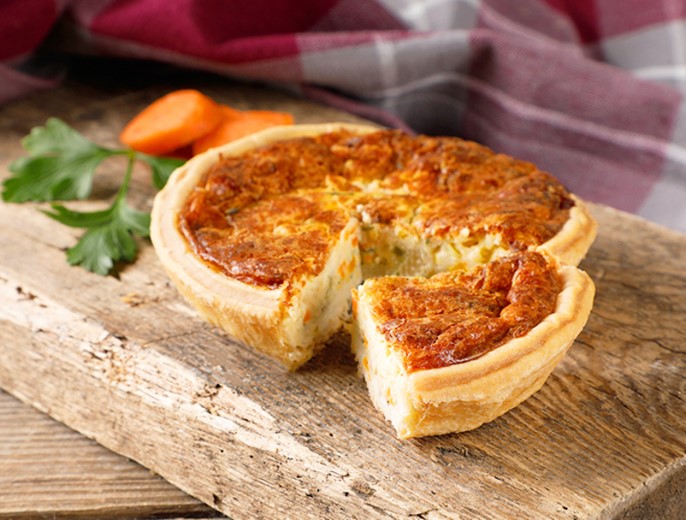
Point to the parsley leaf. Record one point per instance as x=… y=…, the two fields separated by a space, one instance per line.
x=61 y=164
x=110 y=233
x=101 y=246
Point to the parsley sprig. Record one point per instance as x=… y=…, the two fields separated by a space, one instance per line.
x=60 y=166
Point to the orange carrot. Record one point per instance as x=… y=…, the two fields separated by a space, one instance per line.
x=237 y=124
x=172 y=122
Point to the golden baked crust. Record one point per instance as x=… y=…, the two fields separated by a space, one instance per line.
x=249 y=212
x=456 y=316
x=268 y=236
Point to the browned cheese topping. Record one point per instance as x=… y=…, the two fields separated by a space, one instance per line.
x=272 y=214
x=455 y=317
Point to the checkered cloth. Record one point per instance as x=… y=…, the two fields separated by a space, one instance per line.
x=589 y=90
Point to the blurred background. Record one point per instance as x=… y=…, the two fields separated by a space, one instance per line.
x=590 y=90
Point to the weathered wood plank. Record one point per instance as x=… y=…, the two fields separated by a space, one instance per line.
x=127 y=363
x=45 y=466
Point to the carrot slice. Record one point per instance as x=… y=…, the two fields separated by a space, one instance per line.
x=237 y=124
x=173 y=121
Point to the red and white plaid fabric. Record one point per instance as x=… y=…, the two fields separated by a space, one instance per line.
x=590 y=90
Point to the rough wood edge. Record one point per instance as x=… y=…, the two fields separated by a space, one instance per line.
x=102 y=368
x=661 y=496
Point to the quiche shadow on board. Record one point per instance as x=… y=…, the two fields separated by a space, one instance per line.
x=453 y=267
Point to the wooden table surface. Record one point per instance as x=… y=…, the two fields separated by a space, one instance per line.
x=124 y=361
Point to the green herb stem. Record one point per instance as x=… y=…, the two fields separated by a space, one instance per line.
x=60 y=165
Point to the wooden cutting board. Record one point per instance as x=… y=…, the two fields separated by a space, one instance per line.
x=126 y=362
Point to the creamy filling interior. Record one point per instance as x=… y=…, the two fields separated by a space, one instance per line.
x=403 y=250
x=368 y=249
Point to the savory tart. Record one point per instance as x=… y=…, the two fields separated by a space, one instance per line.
x=459 y=262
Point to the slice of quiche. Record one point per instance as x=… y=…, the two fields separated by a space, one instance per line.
x=453 y=351
x=269 y=236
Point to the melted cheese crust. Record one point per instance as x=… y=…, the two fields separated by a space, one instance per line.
x=269 y=215
x=455 y=317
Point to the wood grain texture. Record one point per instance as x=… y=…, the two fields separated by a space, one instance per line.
x=126 y=362
x=44 y=464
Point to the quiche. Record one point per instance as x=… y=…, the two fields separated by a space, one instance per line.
x=452 y=266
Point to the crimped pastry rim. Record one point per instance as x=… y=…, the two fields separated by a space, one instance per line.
x=541 y=345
